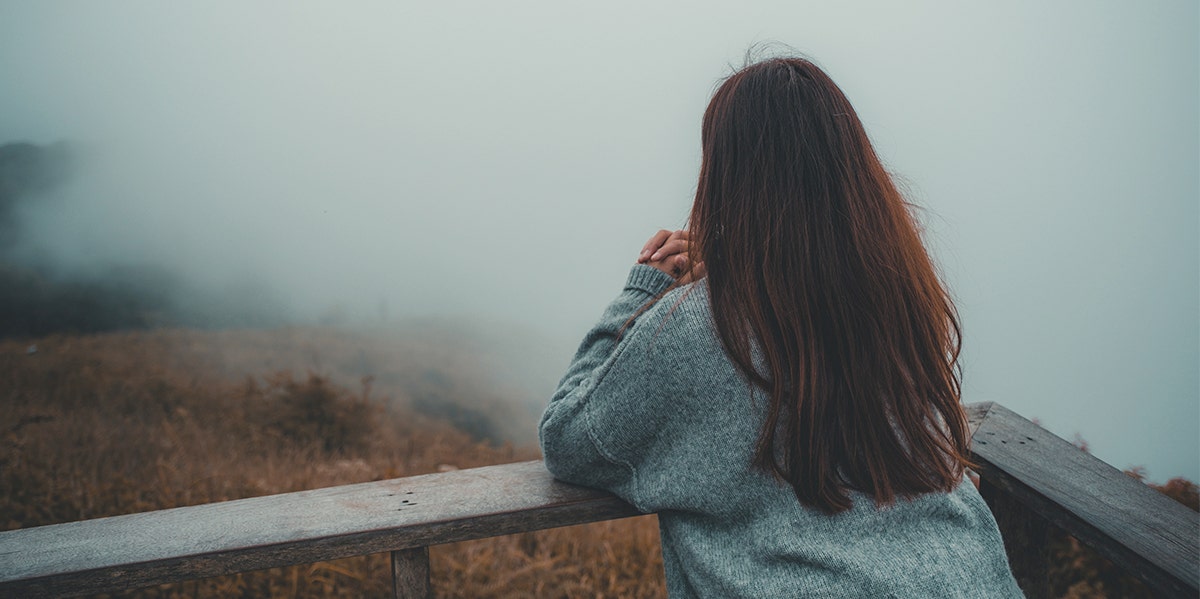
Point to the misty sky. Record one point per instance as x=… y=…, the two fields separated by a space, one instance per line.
x=503 y=162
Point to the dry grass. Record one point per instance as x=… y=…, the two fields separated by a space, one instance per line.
x=111 y=424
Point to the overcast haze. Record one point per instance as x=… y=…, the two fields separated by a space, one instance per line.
x=504 y=162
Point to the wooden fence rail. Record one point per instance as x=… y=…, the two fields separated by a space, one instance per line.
x=1029 y=476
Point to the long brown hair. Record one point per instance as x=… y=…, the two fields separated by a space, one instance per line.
x=823 y=294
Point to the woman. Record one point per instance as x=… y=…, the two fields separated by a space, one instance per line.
x=779 y=382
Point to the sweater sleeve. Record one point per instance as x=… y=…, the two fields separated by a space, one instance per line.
x=596 y=415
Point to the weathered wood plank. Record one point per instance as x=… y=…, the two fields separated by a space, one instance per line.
x=1150 y=535
x=410 y=574
x=976 y=412
x=137 y=550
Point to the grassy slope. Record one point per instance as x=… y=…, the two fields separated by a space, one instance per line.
x=109 y=424
x=117 y=423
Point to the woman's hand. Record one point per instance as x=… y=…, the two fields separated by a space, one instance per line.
x=668 y=252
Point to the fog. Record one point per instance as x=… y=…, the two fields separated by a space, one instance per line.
x=504 y=162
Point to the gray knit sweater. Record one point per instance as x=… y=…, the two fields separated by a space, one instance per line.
x=664 y=420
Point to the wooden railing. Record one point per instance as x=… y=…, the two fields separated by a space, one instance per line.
x=1031 y=479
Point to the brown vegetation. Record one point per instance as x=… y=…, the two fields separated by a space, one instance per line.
x=111 y=424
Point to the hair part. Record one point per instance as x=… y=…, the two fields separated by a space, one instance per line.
x=823 y=295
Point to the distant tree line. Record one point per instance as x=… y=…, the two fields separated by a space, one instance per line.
x=38 y=299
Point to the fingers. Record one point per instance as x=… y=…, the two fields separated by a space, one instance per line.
x=678 y=264
x=674 y=245
x=668 y=252
x=680 y=267
x=663 y=244
x=656 y=241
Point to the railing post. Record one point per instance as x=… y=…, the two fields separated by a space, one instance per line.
x=1026 y=540
x=410 y=573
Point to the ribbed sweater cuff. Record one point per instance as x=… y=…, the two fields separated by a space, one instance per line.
x=647 y=279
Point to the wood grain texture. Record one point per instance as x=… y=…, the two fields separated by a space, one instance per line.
x=1140 y=529
x=976 y=412
x=410 y=574
x=137 y=550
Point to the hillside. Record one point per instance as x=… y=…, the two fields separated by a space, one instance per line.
x=117 y=423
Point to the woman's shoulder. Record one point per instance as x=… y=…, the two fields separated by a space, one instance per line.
x=682 y=315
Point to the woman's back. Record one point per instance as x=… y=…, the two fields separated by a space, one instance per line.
x=681 y=448
x=790 y=406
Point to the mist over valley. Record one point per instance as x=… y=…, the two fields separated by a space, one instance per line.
x=382 y=165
